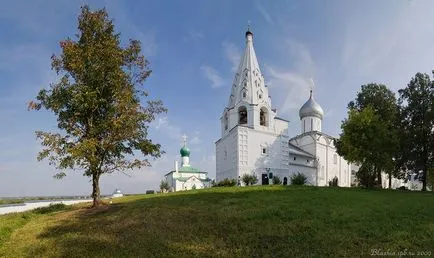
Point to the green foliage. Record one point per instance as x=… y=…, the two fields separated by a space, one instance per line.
x=164 y=186
x=227 y=182
x=249 y=179
x=53 y=207
x=276 y=180
x=11 y=201
x=298 y=179
x=366 y=176
x=417 y=122
x=97 y=102
x=369 y=135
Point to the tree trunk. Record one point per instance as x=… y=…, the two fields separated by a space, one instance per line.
x=390 y=180
x=379 y=183
x=424 y=173
x=95 y=190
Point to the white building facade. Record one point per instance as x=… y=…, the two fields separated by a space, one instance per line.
x=255 y=141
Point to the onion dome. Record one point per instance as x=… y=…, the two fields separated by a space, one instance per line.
x=311 y=108
x=185 y=152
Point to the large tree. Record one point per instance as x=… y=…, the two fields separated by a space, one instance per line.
x=369 y=135
x=417 y=121
x=97 y=100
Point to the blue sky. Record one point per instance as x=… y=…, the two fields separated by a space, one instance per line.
x=193 y=48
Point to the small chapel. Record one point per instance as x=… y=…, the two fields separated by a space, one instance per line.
x=255 y=140
x=186 y=177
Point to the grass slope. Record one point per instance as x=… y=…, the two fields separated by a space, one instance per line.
x=273 y=221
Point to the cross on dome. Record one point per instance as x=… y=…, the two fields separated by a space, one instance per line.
x=184 y=137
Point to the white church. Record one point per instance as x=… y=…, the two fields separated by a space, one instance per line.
x=254 y=140
x=186 y=177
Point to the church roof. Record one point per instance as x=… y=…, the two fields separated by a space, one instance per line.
x=188 y=169
x=248 y=85
x=313 y=132
x=298 y=151
x=279 y=118
x=311 y=108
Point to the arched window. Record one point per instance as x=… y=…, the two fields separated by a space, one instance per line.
x=226 y=120
x=242 y=115
x=244 y=92
x=263 y=117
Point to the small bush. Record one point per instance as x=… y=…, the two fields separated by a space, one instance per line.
x=276 y=180
x=298 y=179
x=53 y=207
x=150 y=191
x=164 y=186
x=249 y=179
x=227 y=182
x=334 y=182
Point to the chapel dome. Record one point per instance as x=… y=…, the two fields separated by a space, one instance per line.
x=185 y=152
x=311 y=108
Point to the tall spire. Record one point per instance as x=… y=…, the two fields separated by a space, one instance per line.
x=248 y=85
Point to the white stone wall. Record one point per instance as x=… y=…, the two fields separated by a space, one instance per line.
x=188 y=185
x=227 y=156
x=329 y=163
x=244 y=146
x=275 y=156
x=310 y=123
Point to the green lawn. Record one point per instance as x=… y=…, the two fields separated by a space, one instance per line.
x=273 y=221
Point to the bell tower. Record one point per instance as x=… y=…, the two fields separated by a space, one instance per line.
x=252 y=139
x=249 y=103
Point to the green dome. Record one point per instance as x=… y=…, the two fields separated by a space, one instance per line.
x=185 y=152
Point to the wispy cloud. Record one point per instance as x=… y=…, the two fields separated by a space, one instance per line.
x=233 y=54
x=304 y=63
x=264 y=13
x=212 y=75
x=193 y=35
x=292 y=84
x=162 y=124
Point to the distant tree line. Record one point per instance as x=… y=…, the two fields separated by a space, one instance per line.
x=386 y=134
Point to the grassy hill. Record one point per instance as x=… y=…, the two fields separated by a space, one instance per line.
x=273 y=221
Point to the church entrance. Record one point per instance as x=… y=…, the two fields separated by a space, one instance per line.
x=265 y=179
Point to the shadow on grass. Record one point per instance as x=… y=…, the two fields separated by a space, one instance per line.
x=273 y=222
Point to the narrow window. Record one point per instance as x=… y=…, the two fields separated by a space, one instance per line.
x=263 y=117
x=264 y=151
x=335 y=159
x=295 y=158
x=226 y=120
x=242 y=115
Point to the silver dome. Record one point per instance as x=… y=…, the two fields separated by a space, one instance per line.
x=311 y=108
